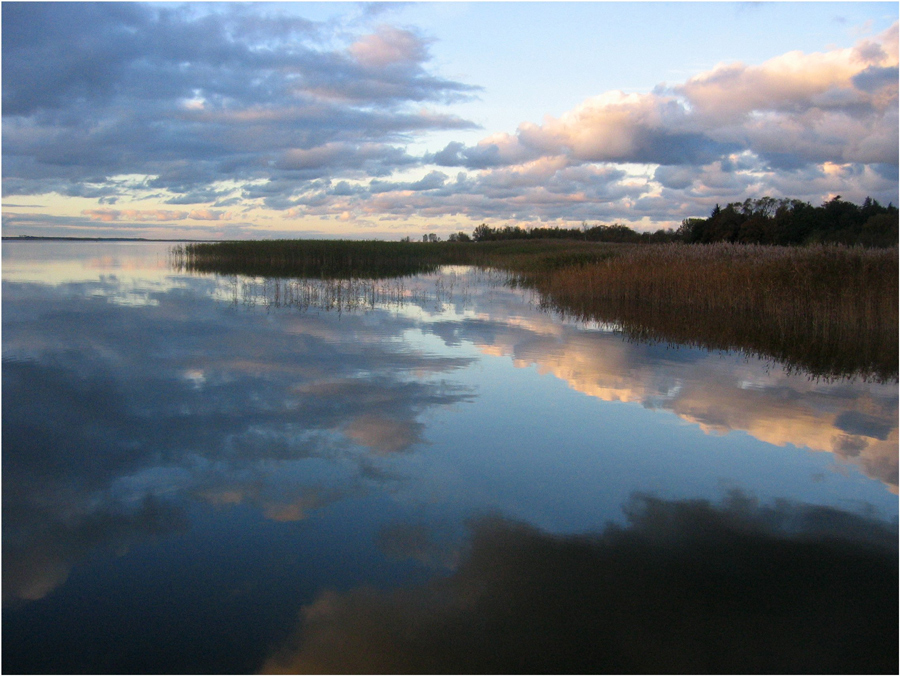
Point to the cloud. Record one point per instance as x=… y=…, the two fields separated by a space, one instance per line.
x=804 y=126
x=687 y=586
x=497 y=150
x=432 y=181
x=200 y=196
x=838 y=106
x=389 y=46
x=164 y=215
x=212 y=106
x=728 y=133
x=618 y=127
x=675 y=177
x=369 y=158
x=209 y=215
x=194 y=97
x=107 y=215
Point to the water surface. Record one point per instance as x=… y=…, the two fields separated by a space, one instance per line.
x=227 y=474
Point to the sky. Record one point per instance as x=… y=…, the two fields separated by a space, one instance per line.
x=385 y=120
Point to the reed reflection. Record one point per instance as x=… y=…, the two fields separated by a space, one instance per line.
x=449 y=286
x=686 y=587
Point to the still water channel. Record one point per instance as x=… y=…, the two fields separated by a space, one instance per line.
x=222 y=474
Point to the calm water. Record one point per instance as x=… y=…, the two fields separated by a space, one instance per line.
x=207 y=474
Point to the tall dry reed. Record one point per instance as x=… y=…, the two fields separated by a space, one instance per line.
x=830 y=310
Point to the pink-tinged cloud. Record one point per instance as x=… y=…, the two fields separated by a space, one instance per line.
x=389 y=46
x=109 y=215
x=209 y=215
x=104 y=215
x=155 y=215
x=838 y=106
x=799 y=125
x=609 y=127
x=789 y=83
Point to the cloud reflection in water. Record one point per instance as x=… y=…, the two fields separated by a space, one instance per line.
x=687 y=587
x=111 y=420
x=856 y=421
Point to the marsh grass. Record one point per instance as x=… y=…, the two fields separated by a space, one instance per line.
x=829 y=310
x=321 y=259
x=342 y=259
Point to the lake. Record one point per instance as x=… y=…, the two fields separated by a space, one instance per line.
x=214 y=474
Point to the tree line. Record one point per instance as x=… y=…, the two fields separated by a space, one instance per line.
x=765 y=220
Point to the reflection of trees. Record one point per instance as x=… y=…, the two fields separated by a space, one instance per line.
x=688 y=587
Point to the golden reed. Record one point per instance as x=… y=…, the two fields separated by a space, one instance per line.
x=830 y=310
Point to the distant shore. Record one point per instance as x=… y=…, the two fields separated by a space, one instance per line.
x=32 y=238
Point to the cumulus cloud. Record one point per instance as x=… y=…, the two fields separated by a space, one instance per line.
x=805 y=126
x=810 y=98
x=735 y=131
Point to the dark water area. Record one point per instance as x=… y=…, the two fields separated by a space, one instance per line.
x=431 y=474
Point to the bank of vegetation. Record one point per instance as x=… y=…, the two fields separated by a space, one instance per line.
x=320 y=259
x=827 y=308
x=765 y=220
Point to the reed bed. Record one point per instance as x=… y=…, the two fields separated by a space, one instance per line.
x=342 y=259
x=320 y=259
x=829 y=310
